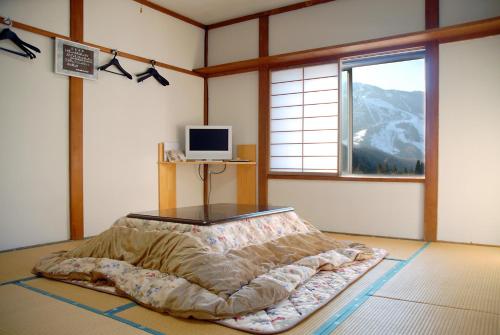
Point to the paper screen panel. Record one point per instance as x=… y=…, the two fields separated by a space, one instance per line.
x=286 y=125
x=286 y=137
x=286 y=100
x=286 y=162
x=286 y=75
x=287 y=87
x=321 y=110
x=286 y=150
x=304 y=119
x=286 y=112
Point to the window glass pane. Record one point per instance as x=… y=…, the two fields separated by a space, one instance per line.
x=388 y=118
x=321 y=110
x=325 y=149
x=320 y=123
x=282 y=88
x=317 y=136
x=286 y=162
x=286 y=100
x=286 y=150
x=286 y=75
x=286 y=112
x=287 y=124
x=286 y=137
x=318 y=71
x=321 y=84
x=320 y=162
x=320 y=97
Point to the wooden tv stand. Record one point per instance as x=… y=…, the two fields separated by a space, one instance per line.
x=245 y=175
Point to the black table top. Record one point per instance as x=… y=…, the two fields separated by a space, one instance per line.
x=209 y=214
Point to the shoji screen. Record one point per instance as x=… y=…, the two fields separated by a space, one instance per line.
x=304 y=119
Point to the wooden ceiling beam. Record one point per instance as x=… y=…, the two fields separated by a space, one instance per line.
x=459 y=32
x=171 y=13
x=274 y=11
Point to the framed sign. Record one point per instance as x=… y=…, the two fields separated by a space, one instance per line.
x=76 y=60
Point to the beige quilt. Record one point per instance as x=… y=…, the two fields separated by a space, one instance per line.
x=223 y=271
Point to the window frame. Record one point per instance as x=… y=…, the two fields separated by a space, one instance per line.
x=338 y=176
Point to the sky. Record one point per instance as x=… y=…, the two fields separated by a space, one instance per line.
x=402 y=76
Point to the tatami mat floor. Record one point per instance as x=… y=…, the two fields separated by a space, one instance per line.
x=420 y=288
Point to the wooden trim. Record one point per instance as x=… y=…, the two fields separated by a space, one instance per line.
x=474 y=244
x=459 y=32
x=35 y=30
x=274 y=11
x=431 y=141
x=264 y=113
x=205 y=117
x=431 y=14
x=76 y=131
x=171 y=13
x=50 y=34
x=144 y=60
x=331 y=176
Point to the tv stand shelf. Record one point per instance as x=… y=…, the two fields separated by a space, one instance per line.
x=246 y=176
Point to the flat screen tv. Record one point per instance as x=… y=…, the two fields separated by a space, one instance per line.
x=209 y=142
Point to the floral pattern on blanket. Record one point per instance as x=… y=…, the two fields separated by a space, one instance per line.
x=276 y=298
x=308 y=297
x=305 y=300
x=230 y=235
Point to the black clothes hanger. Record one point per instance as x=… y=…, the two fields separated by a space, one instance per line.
x=8 y=34
x=151 y=72
x=117 y=64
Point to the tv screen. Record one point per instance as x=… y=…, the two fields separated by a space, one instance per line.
x=208 y=139
x=209 y=142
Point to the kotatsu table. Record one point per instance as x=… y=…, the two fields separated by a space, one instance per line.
x=209 y=214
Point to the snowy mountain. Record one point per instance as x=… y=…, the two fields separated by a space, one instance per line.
x=388 y=129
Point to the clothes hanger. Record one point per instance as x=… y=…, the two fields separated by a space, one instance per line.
x=8 y=34
x=152 y=72
x=117 y=64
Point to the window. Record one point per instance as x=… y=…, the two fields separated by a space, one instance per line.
x=304 y=119
x=383 y=114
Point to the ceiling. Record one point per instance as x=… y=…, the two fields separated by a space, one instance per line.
x=213 y=11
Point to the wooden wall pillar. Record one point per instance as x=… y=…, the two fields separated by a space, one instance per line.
x=76 y=131
x=205 y=118
x=431 y=125
x=264 y=97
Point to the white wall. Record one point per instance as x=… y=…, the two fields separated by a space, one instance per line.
x=370 y=208
x=123 y=121
x=233 y=100
x=343 y=21
x=34 y=185
x=150 y=34
x=469 y=141
x=52 y=15
x=232 y=43
x=461 y=11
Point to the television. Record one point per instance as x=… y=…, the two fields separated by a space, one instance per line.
x=209 y=142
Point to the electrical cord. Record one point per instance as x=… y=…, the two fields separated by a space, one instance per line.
x=210 y=173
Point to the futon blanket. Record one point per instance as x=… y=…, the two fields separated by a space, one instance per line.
x=231 y=271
